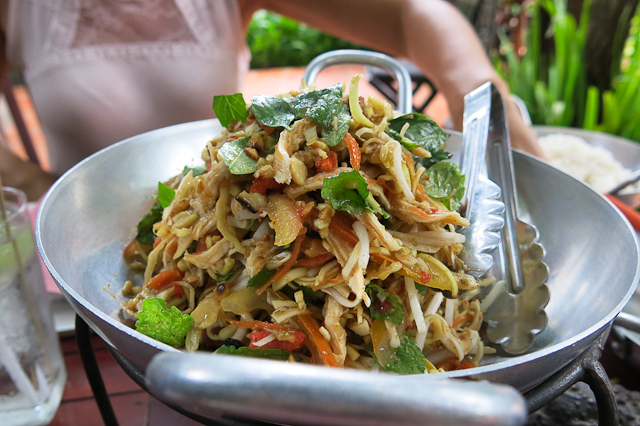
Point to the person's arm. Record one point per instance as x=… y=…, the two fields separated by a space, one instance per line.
x=432 y=34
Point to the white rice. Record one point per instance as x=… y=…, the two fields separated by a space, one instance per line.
x=591 y=164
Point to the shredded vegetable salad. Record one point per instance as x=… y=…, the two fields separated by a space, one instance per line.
x=321 y=229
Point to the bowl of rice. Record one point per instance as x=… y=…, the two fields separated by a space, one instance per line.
x=598 y=159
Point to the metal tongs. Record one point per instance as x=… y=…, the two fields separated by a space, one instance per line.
x=517 y=300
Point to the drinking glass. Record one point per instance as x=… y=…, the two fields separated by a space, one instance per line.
x=32 y=373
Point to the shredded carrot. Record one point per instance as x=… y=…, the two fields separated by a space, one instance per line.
x=354 y=151
x=312 y=262
x=422 y=191
x=342 y=229
x=452 y=363
x=462 y=319
x=165 y=278
x=327 y=164
x=255 y=325
x=287 y=265
x=317 y=344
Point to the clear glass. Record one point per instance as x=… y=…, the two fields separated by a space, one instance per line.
x=32 y=373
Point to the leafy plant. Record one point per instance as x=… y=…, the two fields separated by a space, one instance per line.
x=553 y=84
x=276 y=41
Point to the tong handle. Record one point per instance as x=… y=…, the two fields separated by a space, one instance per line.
x=500 y=170
x=364 y=57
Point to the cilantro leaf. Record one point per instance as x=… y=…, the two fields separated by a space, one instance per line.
x=165 y=195
x=229 y=107
x=234 y=157
x=275 y=354
x=384 y=305
x=346 y=191
x=261 y=277
x=445 y=182
x=145 y=226
x=272 y=111
x=169 y=326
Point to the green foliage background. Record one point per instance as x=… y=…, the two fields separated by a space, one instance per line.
x=276 y=41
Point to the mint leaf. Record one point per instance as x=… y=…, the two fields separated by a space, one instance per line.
x=422 y=289
x=165 y=195
x=261 y=277
x=145 y=226
x=229 y=107
x=423 y=132
x=195 y=171
x=445 y=182
x=275 y=354
x=384 y=305
x=408 y=358
x=272 y=111
x=234 y=157
x=346 y=191
x=168 y=326
x=326 y=108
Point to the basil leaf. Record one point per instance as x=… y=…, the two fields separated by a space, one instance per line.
x=275 y=354
x=422 y=131
x=234 y=157
x=165 y=195
x=261 y=277
x=169 y=326
x=229 y=107
x=384 y=305
x=272 y=111
x=445 y=182
x=195 y=171
x=145 y=226
x=324 y=106
x=346 y=191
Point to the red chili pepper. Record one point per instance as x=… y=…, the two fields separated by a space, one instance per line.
x=425 y=277
x=327 y=164
x=262 y=184
x=256 y=336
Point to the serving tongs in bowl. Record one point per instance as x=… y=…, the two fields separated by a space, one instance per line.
x=515 y=305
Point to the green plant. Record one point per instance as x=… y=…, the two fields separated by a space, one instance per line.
x=276 y=41
x=553 y=82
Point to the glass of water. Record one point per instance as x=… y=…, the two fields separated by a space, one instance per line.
x=32 y=373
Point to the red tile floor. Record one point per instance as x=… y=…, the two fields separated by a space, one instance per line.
x=131 y=404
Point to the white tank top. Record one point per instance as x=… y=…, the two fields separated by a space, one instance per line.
x=102 y=71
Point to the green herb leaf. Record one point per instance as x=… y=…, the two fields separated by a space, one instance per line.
x=422 y=131
x=195 y=171
x=145 y=226
x=225 y=277
x=408 y=358
x=165 y=195
x=193 y=247
x=275 y=354
x=168 y=326
x=422 y=289
x=445 y=182
x=436 y=157
x=272 y=111
x=229 y=107
x=324 y=107
x=375 y=207
x=234 y=157
x=384 y=305
x=261 y=277
x=346 y=191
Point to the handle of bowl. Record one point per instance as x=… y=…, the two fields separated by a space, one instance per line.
x=293 y=393
x=364 y=57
